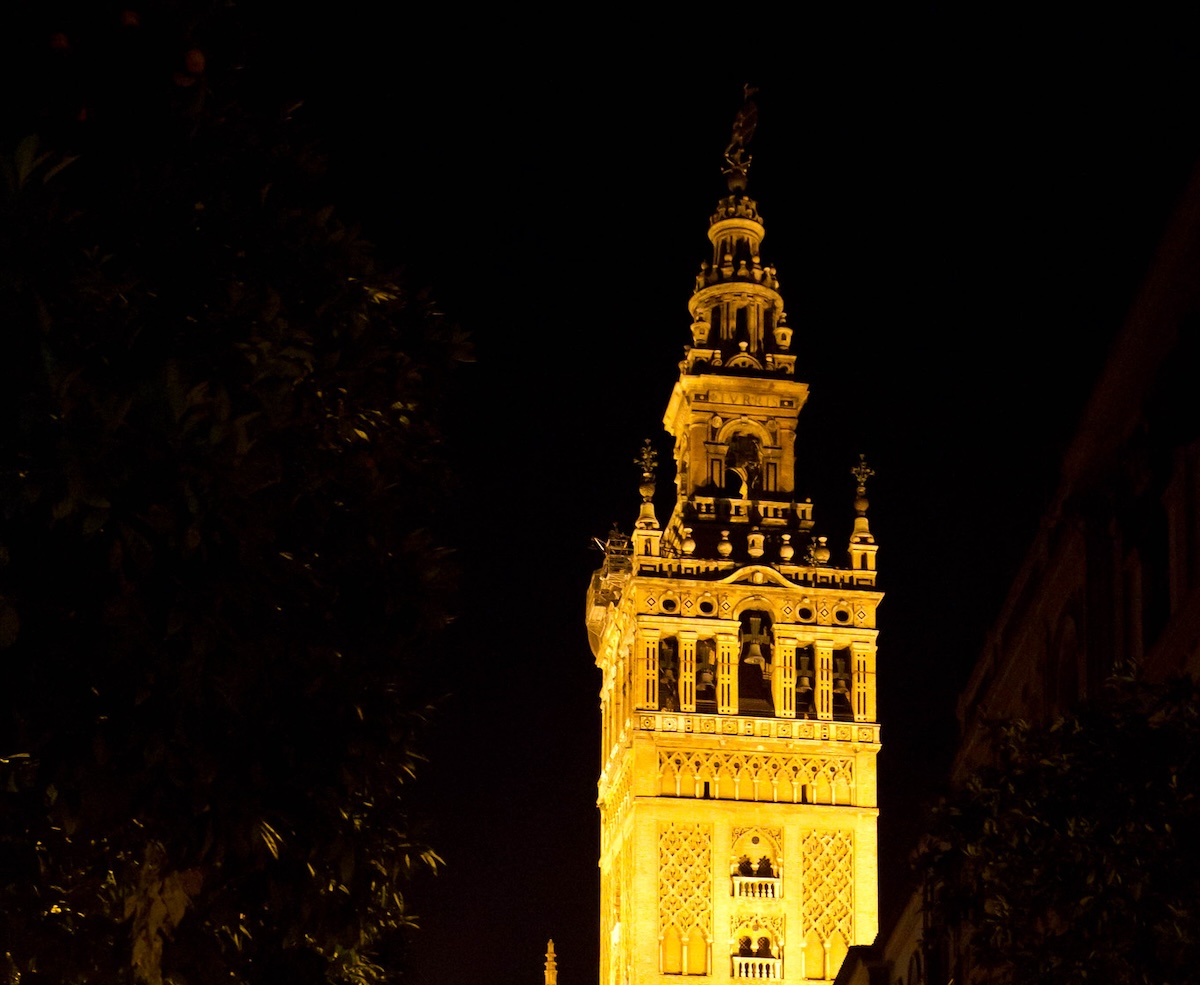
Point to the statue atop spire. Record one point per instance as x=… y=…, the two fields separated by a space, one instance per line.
x=647 y=461
x=738 y=323
x=862 y=472
x=743 y=130
x=862 y=543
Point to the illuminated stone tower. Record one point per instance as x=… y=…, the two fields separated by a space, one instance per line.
x=737 y=788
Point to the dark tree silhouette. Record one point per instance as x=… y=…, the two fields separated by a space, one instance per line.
x=219 y=464
x=1071 y=857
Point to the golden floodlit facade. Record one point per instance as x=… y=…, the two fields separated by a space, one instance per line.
x=737 y=789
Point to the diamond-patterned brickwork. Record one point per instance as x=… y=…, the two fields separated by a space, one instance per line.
x=827 y=878
x=685 y=877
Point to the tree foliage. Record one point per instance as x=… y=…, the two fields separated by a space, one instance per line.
x=1071 y=857
x=219 y=457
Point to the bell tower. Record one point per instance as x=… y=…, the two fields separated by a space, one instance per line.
x=737 y=788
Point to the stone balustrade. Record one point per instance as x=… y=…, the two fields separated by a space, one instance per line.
x=753 y=967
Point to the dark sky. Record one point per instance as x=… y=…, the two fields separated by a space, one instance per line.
x=960 y=210
x=960 y=213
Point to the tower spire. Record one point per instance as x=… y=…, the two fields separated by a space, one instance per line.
x=738 y=321
x=551 y=964
x=739 y=733
x=647 y=461
x=736 y=157
x=862 y=541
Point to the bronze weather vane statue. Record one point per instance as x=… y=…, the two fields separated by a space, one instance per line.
x=743 y=130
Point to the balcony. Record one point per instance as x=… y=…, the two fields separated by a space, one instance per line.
x=751 y=967
x=758 y=887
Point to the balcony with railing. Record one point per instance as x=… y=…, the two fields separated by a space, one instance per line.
x=758 y=887
x=755 y=967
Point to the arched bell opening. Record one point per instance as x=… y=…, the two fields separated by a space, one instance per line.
x=756 y=647
x=843 y=709
x=706 y=675
x=805 y=702
x=668 y=673
x=743 y=467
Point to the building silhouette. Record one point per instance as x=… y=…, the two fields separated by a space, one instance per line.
x=738 y=649
x=1112 y=578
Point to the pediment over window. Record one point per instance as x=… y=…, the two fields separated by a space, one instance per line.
x=757 y=574
x=742 y=361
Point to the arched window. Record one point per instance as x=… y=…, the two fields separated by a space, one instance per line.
x=843 y=710
x=706 y=675
x=758 y=879
x=743 y=466
x=668 y=674
x=916 y=973
x=754 y=664
x=757 y=955
x=804 y=682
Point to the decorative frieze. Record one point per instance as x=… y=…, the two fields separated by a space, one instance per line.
x=775 y=728
x=740 y=775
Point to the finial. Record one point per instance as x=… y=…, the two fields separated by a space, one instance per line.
x=786 y=550
x=647 y=461
x=862 y=528
x=551 y=964
x=862 y=472
x=688 y=544
x=743 y=129
x=754 y=542
x=724 y=547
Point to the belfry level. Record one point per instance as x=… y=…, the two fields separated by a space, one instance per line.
x=737 y=788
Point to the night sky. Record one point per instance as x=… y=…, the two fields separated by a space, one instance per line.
x=960 y=213
x=959 y=224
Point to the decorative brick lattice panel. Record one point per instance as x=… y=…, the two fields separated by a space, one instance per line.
x=685 y=877
x=827 y=876
x=756 y=776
